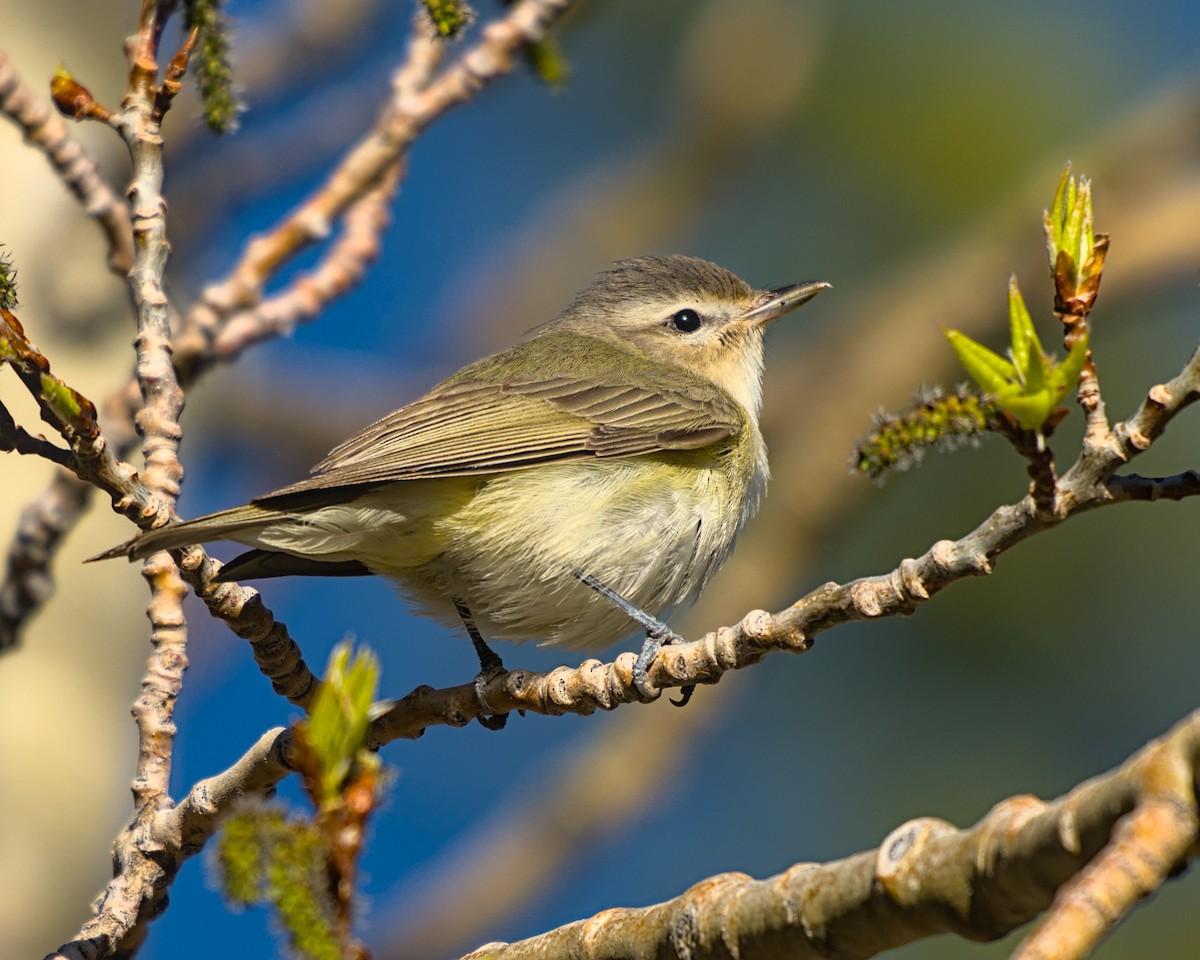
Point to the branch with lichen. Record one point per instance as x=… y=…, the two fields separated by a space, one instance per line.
x=1085 y=859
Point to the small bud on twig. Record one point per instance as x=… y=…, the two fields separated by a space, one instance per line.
x=1076 y=253
x=74 y=100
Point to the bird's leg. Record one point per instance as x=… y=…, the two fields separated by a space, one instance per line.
x=658 y=635
x=490 y=667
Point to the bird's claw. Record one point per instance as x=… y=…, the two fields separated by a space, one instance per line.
x=488 y=717
x=657 y=637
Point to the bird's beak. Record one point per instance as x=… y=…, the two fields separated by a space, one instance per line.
x=775 y=303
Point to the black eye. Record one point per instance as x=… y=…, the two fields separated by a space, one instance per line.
x=685 y=321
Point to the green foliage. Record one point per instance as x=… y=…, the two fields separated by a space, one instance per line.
x=337 y=725
x=1069 y=229
x=240 y=855
x=304 y=866
x=1020 y=392
x=1030 y=386
x=296 y=881
x=211 y=65
x=264 y=856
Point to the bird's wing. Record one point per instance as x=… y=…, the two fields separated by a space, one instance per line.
x=482 y=422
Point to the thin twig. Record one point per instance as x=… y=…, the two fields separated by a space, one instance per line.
x=47 y=131
x=339 y=271
x=1134 y=487
x=158 y=424
x=15 y=439
x=360 y=203
x=42 y=524
x=91 y=459
x=243 y=611
x=414 y=105
x=74 y=416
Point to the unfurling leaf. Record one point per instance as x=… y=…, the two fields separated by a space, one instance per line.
x=1030 y=386
x=1075 y=251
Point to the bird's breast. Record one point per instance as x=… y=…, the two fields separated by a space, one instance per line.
x=652 y=528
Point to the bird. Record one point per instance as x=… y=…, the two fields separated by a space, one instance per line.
x=589 y=478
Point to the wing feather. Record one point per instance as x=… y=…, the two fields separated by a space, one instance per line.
x=490 y=418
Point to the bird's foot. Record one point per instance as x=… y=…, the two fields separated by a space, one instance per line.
x=658 y=635
x=490 y=667
x=489 y=718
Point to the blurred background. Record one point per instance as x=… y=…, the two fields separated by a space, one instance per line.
x=902 y=152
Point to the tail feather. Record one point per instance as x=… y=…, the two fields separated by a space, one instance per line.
x=215 y=526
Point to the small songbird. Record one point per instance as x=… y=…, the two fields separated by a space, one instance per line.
x=612 y=452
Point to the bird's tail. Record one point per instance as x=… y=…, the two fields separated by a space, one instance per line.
x=232 y=524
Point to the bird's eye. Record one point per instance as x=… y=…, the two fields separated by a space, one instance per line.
x=685 y=321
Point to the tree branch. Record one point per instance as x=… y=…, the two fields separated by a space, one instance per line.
x=594 y=685
x=91 y=458
x=42 y=525
x=237 y=303
x=138 y=891
x=418 y=100
x=1118 y=836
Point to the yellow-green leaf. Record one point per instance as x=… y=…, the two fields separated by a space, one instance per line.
x=988 y=369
